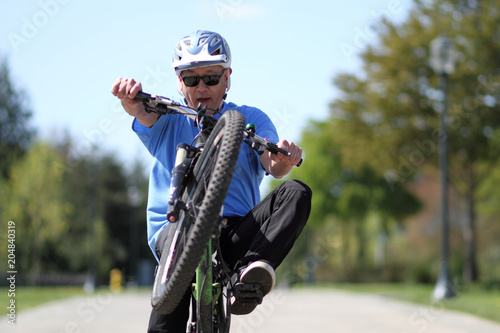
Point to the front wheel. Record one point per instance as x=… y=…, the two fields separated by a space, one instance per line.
x=204 y=196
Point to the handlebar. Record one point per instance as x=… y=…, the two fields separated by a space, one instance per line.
x=249 y=132
x=162 y=105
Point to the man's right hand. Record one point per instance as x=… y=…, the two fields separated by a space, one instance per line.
x=125 y=90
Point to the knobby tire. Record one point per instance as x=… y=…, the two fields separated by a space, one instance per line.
x=186 y=241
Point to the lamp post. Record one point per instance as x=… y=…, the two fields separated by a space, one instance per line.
x=442 y=60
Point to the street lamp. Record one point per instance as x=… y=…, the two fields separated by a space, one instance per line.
x=443 y=57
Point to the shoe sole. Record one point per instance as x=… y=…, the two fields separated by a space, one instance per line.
x=258 y=274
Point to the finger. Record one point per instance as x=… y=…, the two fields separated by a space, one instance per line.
x=134 y=89
x=129 y=86
x=274 y=157
x=295 y=154
x=283 y=144
x=122 y=88
x=116 y=86
x=126 y=87
x=298 y=158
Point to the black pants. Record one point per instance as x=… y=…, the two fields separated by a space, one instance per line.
x=267 y=232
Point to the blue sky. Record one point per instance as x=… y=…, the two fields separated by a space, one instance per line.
x=67 y=53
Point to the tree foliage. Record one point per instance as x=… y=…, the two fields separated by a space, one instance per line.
x=394 y=104
x=356 y=204
x=15 y=131
x=35 y=204
x=390 y=113
x=75 y=214
x=341 y=191
x=384 y=131
x=110 y=206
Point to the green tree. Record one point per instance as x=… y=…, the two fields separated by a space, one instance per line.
x=387 y=116
x=348 y=197
x=137 y=190
x=121 y=201
x=15 y=131
x=488 y=226
x=108 y=228
x=322 y=170
x=35 y=202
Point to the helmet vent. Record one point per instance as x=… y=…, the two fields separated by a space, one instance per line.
x=217 y=51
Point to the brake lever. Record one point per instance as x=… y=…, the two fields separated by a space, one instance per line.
x=154 y=103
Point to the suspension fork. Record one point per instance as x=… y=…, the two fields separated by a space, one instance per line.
x=184 y=155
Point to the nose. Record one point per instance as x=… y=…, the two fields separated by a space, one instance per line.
x=201 y=86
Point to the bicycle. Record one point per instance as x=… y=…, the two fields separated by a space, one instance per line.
x=199 y=184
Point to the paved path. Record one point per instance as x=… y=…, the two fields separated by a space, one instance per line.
x=282 y=311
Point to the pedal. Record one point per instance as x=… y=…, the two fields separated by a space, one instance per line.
x=246 y=293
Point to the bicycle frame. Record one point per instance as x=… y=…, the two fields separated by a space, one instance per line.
x=206 y=293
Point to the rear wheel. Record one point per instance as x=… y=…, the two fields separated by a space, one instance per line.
x=204 y=196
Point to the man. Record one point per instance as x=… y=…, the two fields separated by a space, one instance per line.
x=259 y=234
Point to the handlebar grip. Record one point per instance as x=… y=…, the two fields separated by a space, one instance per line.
x=283 y=151
x=142 y=96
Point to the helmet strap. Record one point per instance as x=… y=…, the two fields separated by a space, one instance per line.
x=228 y=83
x=179 y=89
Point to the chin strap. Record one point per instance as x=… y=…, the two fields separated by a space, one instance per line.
x=179 y=90
x=221 y=104
x=228 y=83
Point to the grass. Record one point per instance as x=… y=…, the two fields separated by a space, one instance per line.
x=473 y=299
x=28 y=297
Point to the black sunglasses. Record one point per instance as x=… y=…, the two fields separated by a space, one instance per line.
x=209 y=80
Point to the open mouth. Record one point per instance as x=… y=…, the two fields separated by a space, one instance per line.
x=203 y=100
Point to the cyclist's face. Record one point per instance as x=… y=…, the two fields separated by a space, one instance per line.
x=210 y=96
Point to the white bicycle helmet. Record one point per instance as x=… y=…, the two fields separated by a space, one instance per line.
x=200 y=49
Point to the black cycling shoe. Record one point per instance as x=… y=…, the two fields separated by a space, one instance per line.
x=255 y=281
